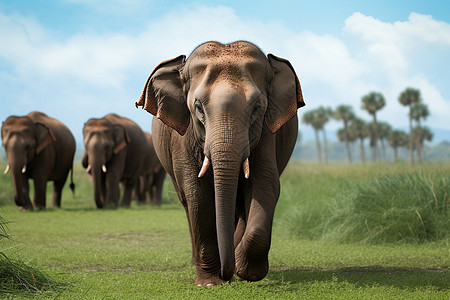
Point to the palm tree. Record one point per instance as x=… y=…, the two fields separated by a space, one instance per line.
x=310 y=118
x=345 y=136
x=323 y=116
x=346 y=114
x=396 y=139
x=421 y=134
x=419 y=111
x=407 y=98
x=373 y=102
x=384 y=129
x=427 y=135
x=359 y=129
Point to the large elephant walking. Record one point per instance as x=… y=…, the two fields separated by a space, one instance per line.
x=151 y=181
x=40 y=148
x=114 y=152
x=234 y=109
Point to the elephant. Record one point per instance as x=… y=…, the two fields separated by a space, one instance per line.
x=41 y=148
x=150 y=183
x=225 y=110
x=114 y=152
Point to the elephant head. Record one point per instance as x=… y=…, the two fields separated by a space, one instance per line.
x=102 y=141
x=23 y=140
x=226 y=94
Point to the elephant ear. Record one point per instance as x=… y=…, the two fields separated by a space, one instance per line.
x=285 y=94
x=121 y=138
x=44 y=136
x=163 y=95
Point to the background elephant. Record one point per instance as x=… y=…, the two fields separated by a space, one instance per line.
x=151 y=181
x=40 y=148
x=114 y=151
x=235 y=109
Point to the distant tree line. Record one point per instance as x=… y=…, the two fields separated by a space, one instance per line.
x=379 y=133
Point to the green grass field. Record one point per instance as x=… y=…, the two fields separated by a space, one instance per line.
x=340 y=232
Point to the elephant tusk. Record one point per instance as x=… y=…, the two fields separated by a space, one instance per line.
x=204 y=168
x=7 y=169
x=24 y=169
x=246 y=168
x=104 y=168
x=88 y=169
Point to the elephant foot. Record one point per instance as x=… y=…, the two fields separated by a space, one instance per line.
x=207 y=280
x=252 y=270
x=252 y=261
x=26 y=207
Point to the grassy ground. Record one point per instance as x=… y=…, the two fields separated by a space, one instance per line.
x=144 y=252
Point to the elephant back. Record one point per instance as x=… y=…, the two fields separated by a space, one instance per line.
x=136 y=145
x=60 y=130
x=58 y=153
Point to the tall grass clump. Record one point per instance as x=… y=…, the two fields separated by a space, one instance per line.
x=406 y=207
x=19 y=279
x=307 y=191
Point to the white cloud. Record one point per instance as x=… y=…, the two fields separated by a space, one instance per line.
x=391 y=51
x=94 y=60
x=117 y=7
x=98 y=73
x=423 y=28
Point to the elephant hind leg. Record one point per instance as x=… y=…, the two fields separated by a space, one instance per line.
x=57 y=193
x=40 y=188
x=126 y=197
x=158 y=187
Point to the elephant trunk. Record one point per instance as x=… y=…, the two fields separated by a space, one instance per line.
x=18 y=179
x=97 y=179
x=227 y=157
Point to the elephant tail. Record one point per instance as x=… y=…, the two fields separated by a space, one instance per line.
x=72 y=185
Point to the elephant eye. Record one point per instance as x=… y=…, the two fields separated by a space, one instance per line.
x=256 y=109
x=199 y=110
x=255 y=112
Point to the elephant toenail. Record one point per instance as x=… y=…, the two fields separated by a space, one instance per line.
x=252 y=278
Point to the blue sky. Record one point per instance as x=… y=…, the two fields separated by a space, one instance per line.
x=77 y=59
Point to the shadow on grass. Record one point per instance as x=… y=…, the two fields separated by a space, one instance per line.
x=165 y=207
x=397 y=277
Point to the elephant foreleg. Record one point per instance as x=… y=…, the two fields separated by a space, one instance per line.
x=198 y=197
x=241 y=213
x=26 y=194
x=252 y=251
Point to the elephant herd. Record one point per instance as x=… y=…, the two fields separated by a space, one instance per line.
x=41 y=148
x=224 y=129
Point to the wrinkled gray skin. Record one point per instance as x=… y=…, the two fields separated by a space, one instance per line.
x=40 y=148
x=150 y=183
x=114 y=151
x=226 y=103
